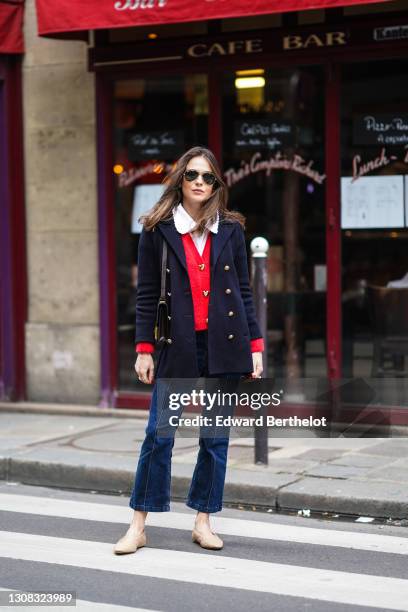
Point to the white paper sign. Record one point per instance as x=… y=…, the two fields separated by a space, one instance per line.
x=372 y=202
x=406 y=199
x=144 y=198
x=320 y=277
x=62 y=360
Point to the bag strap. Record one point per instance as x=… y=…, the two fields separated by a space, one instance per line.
x=163 y=272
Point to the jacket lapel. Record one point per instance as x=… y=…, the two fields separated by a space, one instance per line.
x=218 y=240
x=168 y=229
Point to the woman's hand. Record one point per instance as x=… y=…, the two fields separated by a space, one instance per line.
x=257 y=362
x=144 y=367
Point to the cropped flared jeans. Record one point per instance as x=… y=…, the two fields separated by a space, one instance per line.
x=151 y=490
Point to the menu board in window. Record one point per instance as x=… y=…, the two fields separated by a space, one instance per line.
x=166 y=144
x=372 y=202
x=380 y=129
x=262 y=134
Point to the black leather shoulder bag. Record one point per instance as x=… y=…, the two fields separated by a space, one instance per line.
x=162 y=325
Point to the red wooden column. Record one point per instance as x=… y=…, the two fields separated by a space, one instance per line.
x=107 y=259
x=13 y=260
x=333 y=218
x=214 y=116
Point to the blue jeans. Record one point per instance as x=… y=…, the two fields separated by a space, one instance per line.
x=151 y=490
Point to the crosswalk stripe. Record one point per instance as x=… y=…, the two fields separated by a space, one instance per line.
x=215 y=570
x=81 y=604
x=110 y=513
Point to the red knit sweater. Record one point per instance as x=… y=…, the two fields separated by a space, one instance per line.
x=198 y=268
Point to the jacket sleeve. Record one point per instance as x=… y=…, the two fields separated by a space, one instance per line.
x=241 y=265
x=148 y=288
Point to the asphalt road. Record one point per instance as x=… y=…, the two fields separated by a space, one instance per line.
x=54 y=540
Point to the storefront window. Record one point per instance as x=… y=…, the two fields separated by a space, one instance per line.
x=155 y=121
x=374 y=199
x=273 y=147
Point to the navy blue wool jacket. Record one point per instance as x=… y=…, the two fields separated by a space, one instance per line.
x=229 y=335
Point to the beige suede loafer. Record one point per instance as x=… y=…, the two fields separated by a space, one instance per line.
x=209 y=541
x=129 y=543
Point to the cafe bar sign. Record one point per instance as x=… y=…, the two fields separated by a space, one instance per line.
x=310 y=40
x=231 y=47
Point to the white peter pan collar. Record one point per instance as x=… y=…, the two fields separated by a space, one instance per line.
x=184 y=222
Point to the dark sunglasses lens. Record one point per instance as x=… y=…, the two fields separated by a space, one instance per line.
x=191 y=175
x=209 y=178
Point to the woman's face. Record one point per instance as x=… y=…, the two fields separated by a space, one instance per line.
x=197 y=191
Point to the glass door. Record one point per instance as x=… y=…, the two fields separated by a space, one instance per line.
x=155 y=121
x=273 y=159
x=374 y=222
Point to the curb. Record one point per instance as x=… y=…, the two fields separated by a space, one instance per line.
x=95 y=479
x=73 y=410
x=357 y=506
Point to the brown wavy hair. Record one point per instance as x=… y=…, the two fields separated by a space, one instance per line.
x=173 y=195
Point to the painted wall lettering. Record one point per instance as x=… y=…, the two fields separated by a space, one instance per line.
x=278 y=162
x=361 y=168
x=135 y=173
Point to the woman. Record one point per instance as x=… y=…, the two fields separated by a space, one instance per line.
x=214 y=332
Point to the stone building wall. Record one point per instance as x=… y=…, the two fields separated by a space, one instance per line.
x=62 y=332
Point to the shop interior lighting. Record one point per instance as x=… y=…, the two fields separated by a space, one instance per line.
x=252 y=72
x=118 y=168
x=249 y=82
x=158 y=168
x=152 y=36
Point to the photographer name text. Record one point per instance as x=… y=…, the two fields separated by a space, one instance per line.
x=261 y=420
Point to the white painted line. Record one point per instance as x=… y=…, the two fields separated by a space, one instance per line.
x=65 y=508
x=215 y=570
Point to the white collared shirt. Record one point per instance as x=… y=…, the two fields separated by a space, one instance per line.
x=184 y=223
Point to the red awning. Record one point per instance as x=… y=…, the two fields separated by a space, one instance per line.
x=11 y=26
x=57 y=16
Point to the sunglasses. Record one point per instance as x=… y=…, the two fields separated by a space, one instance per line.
x=208 y=177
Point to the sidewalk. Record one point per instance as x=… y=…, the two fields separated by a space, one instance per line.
x=91 y=448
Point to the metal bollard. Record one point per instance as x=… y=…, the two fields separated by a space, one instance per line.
x=259 y=251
